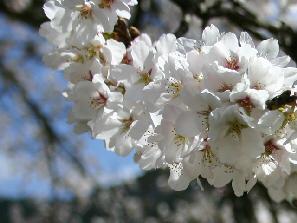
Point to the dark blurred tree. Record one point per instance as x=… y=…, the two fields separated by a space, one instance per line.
x=149 y=199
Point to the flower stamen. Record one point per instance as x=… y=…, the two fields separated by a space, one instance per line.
x=232 y=63
x=98 y=101
x=86 y=11
x=246 y=103
x=235 y=127
x=106 y=3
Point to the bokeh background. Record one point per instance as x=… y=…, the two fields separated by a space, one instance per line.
x=50 y=174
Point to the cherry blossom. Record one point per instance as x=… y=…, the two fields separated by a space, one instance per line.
x=219 y=108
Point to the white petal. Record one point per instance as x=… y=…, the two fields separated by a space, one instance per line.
x=122 y=144
x=50 y=9
x=221 y=177
x=139 y=128
x=166 y=44
x=246 y=39
x=268 y=48
x=149 y=158
x=238 y=184
x=230 y=41
x=139 y=53
x=210 y=35
x=281 y=61
x=271 y=121
x=178 y=181
x=189 y=124
x=117 y=51
x=122 y=10
x=228 y=150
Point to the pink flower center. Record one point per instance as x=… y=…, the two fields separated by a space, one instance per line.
x=232 y=64
x=225 y=87
x=246 y=103
x=98 y=101
x=126 y=59
x=270 y=147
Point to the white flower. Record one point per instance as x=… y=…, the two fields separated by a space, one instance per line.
x=275 y=156
x=247 y=97
x=123 y=128
x=91 y=98
x=264 y=76
x=148 y=155
x=73 y=17
x=53 y=36
x=181 y=174
x=139 y=76
x=77 y=72
x=176 y=78
x=106 y=53
x=229 y=55
x=195 y=121
x=233 y=137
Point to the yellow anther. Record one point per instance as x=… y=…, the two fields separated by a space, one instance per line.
x=78 y=59
x=145 y=78
x=86 y=11
x=127 y=123
x=180 y=140
x=236 y=127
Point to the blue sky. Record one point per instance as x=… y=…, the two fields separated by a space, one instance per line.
x=114 y=170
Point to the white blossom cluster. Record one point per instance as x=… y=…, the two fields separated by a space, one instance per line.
x=219 y=108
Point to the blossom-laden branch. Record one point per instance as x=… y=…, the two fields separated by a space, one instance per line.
x=199 y=108
x=218 y=108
